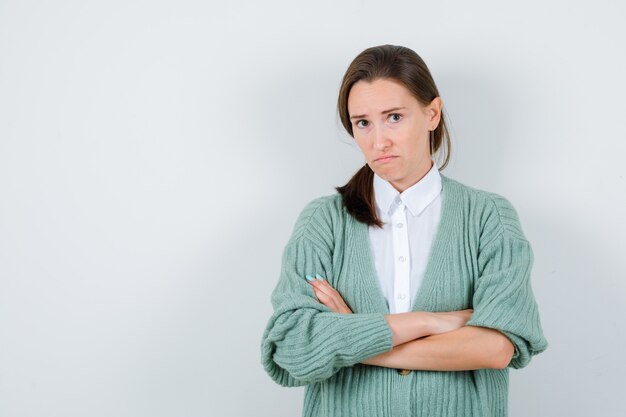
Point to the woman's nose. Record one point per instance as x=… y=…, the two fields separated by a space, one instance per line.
x=381 y=140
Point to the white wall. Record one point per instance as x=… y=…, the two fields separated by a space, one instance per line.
x=154 y=156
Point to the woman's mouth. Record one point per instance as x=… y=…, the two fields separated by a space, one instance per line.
x=386 y=159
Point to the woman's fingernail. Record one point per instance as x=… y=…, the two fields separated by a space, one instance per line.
x=309 y=277
x=319 y=277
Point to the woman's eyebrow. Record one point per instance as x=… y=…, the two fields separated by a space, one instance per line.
x=359 y=116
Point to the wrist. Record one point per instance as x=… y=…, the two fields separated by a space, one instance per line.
x=427 y=323
x=411 y=325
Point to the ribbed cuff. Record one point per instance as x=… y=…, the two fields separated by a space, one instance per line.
x=367 y=335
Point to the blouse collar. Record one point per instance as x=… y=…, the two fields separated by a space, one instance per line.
x=416 y=198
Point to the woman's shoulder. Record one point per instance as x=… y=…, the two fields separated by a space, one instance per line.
x=486 y=206
x=479 y=195
x=319 y=216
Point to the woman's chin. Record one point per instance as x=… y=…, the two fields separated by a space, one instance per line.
x=386 y=174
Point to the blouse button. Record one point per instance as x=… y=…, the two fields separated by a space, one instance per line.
x=399 y=225
x=404 y=372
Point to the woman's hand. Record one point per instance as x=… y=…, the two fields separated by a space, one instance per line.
x=448 y=321
x=327 y=295
x=405 y=326
x=417 y=324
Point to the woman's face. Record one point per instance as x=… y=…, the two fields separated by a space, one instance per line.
x=393 y=129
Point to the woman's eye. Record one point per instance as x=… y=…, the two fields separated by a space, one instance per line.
x=395 y=117
x=361 y=123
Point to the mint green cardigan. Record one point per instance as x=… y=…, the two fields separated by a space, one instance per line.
x=480 y=259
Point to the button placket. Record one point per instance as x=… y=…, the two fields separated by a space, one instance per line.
x=401 y=263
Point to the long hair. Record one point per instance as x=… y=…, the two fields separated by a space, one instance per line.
x=404 y=66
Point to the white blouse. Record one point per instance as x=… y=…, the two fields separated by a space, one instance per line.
x=402 y=247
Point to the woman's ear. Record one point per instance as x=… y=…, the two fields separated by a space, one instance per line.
x=435 y=111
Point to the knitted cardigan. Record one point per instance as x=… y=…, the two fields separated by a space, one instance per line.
x=479 y=259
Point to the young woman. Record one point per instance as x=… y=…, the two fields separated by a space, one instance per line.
x=406 y=293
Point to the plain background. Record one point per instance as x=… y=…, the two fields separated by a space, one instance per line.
x=154 y=157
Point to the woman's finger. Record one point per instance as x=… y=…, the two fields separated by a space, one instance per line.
x=325 y=299
x=317 y=284
x=335 y=294
x=327 y=290
x=329 y=296
x=328 y=301
x=326 y=295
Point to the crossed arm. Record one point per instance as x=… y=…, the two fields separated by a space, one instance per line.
x=431 y=341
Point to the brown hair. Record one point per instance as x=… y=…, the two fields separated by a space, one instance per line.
x=402 y=65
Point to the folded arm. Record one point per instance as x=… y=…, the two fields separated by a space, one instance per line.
x=466 y=348
x=431 y=341
x=304 y=341
x=404 y=326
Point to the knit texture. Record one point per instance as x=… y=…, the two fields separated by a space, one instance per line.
x=479 y=259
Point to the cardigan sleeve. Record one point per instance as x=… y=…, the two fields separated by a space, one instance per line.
x=503 y=298
x=304 y=341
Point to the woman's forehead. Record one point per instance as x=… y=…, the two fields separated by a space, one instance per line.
x=377 y=96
